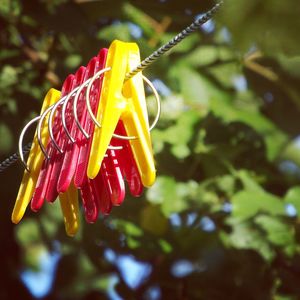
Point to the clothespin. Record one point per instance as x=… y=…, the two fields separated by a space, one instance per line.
x=75 y=150
x=124 y=156
x=34 y=163
x=125 y=102
x=84 y=141
x=127 y=163
x=75 y=142
x=68 y=200
x=62 y=141
x=70 y=209
x=47 y=186
x=44 y=176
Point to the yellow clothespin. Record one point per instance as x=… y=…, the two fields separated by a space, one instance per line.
x=70 y=209
x=125 y=101
x=29 y=180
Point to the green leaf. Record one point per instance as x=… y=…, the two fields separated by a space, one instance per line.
x=278 y=233
x=293 y=197
x=290 y=64
x=194 y=87
x=284 y=297
x=248 y=182
x=275 y=139
x=165 y=246
x=128 y=227
x=6 y=140
x=115 y=31
x=202 y=56
x=8 y=76
x=225 y=73
x=247 y=204
x=170 y=195
x=152 y=220
x=4 y=7
x=10 y=9
x=164 y=189
x=227 y=184
x=245 y=236
x=179 y=201
x=132 y=242
x=138 y=17
x=28 y=232
x=252 y=16
x=73 y=61
x=101 y=283
x=172 y=107
x=8 y=53
x=180 y=134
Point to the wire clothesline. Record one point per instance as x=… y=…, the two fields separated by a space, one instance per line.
x=142 y=66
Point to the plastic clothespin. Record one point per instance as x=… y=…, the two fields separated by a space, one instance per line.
x=126 y=102
x=115 y=167
x=44 y=176
x=96 y=64
x=110 y=187
x=127 y=163
x=68 y=201
x=62 y=141
x=70 y=209
x=34 y=163
x=73 y=150
x=113 y=184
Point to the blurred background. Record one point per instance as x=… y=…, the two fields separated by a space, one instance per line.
x=222 y=220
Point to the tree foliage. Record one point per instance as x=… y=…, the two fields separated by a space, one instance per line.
x=222 y=220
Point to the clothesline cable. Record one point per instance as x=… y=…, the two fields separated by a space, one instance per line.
x=142 y=66
x=13 y=158
x=176 y=40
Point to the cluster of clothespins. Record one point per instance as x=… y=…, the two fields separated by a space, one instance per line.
x=93 y=135
x=90 y=137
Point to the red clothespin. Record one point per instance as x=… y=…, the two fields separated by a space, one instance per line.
x=44 y=176
x=62 y=141
x=116 y=165
x=124 y=156
x=75 y=149
x=127 y=162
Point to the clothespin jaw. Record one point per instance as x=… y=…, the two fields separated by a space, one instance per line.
x=34 y=163
x=70 y=209
x=110 y=106
x=126 y=103
x=135 y=119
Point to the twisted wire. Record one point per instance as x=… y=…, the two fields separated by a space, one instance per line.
x=13 y=158
x=142 y=66
x=176 y=40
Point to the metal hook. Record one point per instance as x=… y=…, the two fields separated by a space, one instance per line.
x=39 y=130
x=87 y=95
x=158 y=102
x=50 y=123
x=20 y=143
x=63 y=112
x=158 y=105
x=88 y=103
x=75 y=109
x=122 y=137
